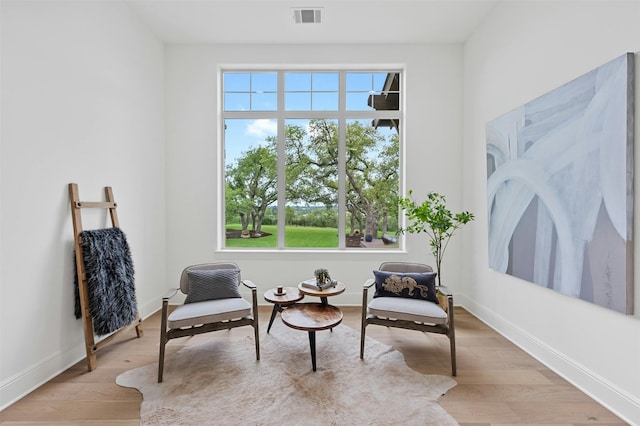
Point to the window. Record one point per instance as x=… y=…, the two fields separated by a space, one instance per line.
x=311 y=159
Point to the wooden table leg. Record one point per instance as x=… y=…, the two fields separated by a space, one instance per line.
x=276 y=308
x=312 y=344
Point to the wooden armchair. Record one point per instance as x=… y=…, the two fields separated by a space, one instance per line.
x=213 y=303
x=410 y=313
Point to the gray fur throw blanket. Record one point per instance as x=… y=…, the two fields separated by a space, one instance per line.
x=110 y=279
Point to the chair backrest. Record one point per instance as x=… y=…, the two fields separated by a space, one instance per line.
x=184 y=278
x=405 y=267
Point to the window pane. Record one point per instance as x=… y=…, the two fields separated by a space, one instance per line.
x=372 y=184
x=237 y=81
x=358 y=101
x=378 y=80
x=237 y=102
x=297 y=82
x=325 y=82
x=325 y=101
x=264 y=102
x=251 y=183
x=359 y=81
x=297 y=101
x=311 y=183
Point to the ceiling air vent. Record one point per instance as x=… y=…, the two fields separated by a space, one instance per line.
x=307 y=15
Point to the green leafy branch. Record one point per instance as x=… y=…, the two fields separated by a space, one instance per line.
x=436 y=220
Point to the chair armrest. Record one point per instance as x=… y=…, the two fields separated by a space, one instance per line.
x=254 y=303
x=165 y=311
x=368 y=283
x=249 y=284
x=172 y=292
x=445 y=299
x=444 y=291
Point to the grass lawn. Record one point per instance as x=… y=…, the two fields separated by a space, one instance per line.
x=295 y=237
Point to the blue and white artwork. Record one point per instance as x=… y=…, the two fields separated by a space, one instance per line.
x=560 y=188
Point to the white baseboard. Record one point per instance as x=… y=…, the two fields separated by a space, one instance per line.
x=26 y=381
x=618 y=401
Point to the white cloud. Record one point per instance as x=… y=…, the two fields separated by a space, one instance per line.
x=262 y=128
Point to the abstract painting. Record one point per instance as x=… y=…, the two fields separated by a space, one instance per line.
x=560 y=188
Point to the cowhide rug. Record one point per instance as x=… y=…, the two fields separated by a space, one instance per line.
x=218 y=381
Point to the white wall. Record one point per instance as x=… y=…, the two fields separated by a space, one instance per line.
x=433 y=136
x=82 y=101
x=524 y=50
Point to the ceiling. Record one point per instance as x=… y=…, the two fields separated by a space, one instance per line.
x=343 y=21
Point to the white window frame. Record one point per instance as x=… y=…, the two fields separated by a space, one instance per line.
x=282 y=115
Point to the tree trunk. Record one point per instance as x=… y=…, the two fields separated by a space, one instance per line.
x=244 y=221
x=259 y=221
x=385 y=221
x=372 y=222
x=253 y=221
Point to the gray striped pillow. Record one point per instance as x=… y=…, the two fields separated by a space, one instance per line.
x=212 y=284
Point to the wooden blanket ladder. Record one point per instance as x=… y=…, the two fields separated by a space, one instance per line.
x=76 y=206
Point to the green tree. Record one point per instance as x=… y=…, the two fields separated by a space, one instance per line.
x=372 y=177
x=237 y=206
x=371 y=171
x=251 y=185
x=312 y=163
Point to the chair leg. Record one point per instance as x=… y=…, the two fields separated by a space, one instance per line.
x=161 y=362
x=452 y=337
x=256 y=327
x=362 y=331
x=256 y=334
x=163 y=339
x=452 y=341
x=363 y=322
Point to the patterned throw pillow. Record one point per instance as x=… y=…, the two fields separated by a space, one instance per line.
x=211 y=284
x=413 y=285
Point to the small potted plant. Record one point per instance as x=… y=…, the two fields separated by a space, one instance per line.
x=322 y=276
x=436 y=220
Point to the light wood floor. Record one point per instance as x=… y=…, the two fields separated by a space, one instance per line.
x=497 y=382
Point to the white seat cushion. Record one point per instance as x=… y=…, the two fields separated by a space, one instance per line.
x=407 y=309
x=191 y=314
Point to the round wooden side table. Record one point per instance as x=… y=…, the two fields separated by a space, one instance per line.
x=312 y=317
x=291 y=295
x=323 y=294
